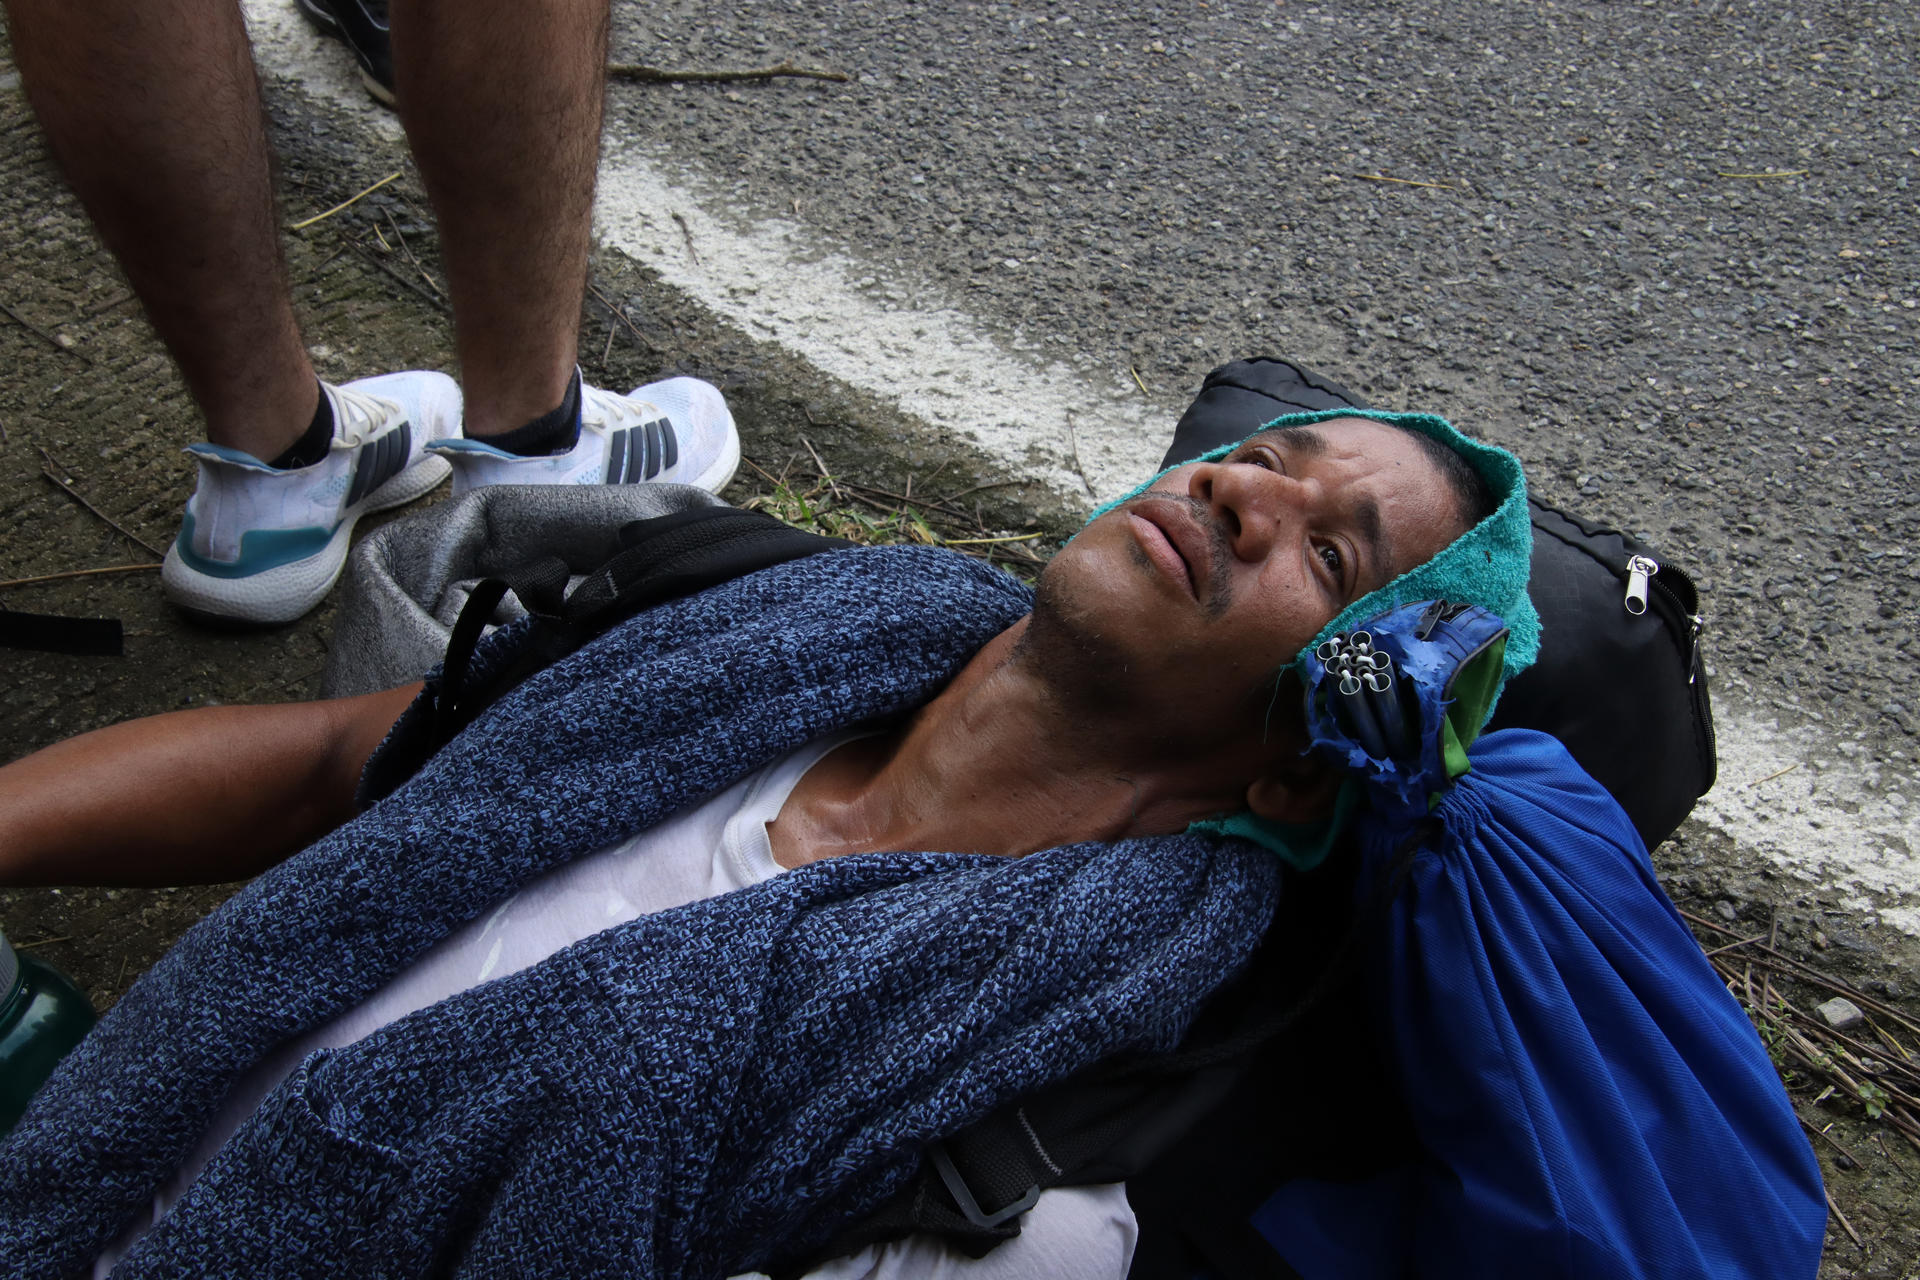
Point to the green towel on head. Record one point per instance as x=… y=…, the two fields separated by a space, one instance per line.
x=1488 y=565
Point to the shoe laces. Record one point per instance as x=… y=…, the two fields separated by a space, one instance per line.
x=607 y=409
x=357 y=416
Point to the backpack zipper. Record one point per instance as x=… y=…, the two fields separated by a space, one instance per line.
x=1640 y=574
x=1639 y=570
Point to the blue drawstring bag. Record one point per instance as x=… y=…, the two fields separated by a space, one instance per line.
x=1589 y=1100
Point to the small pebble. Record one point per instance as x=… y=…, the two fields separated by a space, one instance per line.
x=1726 y=910
x=1841 y=1013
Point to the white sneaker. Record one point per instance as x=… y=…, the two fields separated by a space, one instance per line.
x=260 y=545
x=675 y=432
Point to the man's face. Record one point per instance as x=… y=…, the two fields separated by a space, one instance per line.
x=1197 y=592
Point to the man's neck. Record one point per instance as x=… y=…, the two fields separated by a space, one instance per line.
x=998 y=763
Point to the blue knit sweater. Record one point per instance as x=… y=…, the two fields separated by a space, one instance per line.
x=684 y=1095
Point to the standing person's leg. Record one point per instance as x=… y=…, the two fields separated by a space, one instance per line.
x=501 y=100
x=502 y=103
x=153 y=112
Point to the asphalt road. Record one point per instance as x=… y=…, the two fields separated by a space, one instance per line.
x=1726 y=363
x=1665 y=252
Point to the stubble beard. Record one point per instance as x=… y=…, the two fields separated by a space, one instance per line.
x=1066 y=650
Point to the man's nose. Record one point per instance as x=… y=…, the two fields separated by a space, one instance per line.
x=1253 y=505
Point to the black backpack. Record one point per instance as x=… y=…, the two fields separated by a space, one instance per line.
x=1203 y=1136
x=1620 y=679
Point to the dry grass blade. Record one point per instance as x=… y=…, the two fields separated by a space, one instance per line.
x=981 y=542
x=43 y=335
x=437 y=303
x=348 y=203
x=77 y=573
x=824 y=473
x=665 y=75
x=1073 y=443
x=1842 y=1219
x=66 y=488
x=622 y=317
x=1406 y=182
x=1777 y=773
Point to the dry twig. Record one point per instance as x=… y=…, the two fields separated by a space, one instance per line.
x=1073 y=443
x=665 y=75
x=1734 y=946
x=978 y=488
x=71 y=492
x=43 y=335
x=438 y=304
x=621 y=316
x=686 y=233
x=125 y=295
x=1843 y=1221
x=1821 y=1133
x=76 y=573
x=824 y=473
x=348 y=203
x=407 y=249
x=1406 y=182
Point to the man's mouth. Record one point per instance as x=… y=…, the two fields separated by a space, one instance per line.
x=1174 y=540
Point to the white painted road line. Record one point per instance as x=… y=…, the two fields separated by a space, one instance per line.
x=1821 y=809
x=1833 y=820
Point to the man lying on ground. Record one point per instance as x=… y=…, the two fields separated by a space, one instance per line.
x=429 y=1042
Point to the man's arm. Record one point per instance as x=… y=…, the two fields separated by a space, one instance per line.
x=191 y=797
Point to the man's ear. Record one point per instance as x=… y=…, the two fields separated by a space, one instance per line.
x=1300 y=789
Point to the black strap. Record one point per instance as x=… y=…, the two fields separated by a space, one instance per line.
x=51 y=633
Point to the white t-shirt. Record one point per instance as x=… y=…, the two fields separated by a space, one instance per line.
x=714 y=848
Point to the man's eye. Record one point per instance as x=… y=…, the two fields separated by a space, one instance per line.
x=1330 y=557
x=1262 y=458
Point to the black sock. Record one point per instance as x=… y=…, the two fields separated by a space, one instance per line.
x=550 y=433
x=312 y=446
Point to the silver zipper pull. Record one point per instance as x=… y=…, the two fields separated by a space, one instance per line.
x=1639 y=569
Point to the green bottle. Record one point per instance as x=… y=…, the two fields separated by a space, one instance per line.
x=42 y=1015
